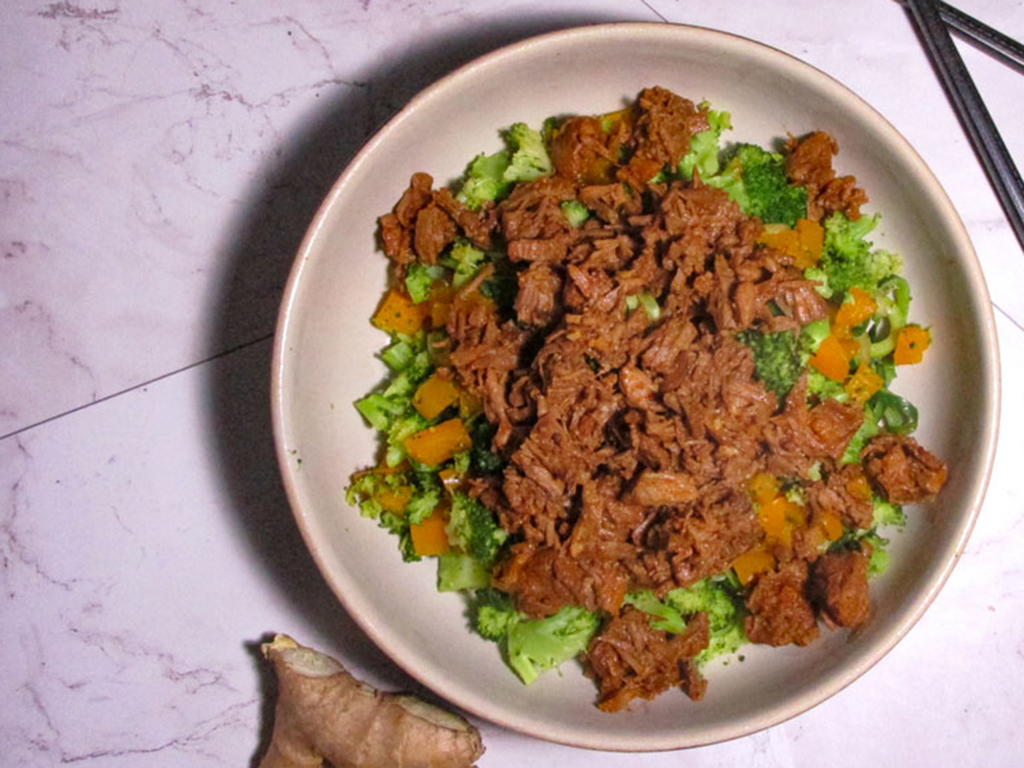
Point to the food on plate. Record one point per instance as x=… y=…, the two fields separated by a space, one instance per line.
x=323 y=713
x=639 y=406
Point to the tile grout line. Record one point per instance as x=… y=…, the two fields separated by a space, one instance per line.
x=239 y=348
x=140 y=385
x=1008 y=316
x=654 y=11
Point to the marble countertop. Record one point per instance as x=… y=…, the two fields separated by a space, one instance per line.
x=159 y=162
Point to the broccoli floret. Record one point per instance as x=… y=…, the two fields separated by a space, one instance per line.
x=481 y=458
x=494 y=614
x=879 y=559
x=456 y=572
x=575 y=212
x=466 y=260
x=860 y=438
x=473 y=530
x=886 y=513
x=756 y=180
x=538 y=645
x=823 y=388
x=484 y=179
x=847 y=258
x=419 y=279
x=725 y=619
x=703 y=152
x=530 y=159
x=776 y=359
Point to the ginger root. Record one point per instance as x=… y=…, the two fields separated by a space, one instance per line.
x=323 y=713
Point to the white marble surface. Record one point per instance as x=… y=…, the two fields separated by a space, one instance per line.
x=158 y=164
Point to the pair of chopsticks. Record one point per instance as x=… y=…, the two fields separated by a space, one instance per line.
x=933 y=20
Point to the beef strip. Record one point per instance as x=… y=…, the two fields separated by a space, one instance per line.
x=902 y=469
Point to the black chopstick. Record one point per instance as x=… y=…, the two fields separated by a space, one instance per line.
x=981 y=35
x=971 y=110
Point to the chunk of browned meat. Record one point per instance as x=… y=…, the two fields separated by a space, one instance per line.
x=655 y=489
x=665 y=125
x=434 y=230
x=538 y=294
x=631 y=659
x=611 y=202
x=414 y=199
x=904 y=470
x=779 y=611
x=809 y=163
x=582 y=152
x=532 y=211
x=838 y=588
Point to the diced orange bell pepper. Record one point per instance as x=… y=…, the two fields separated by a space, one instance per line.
x=911 y=344
x=450 y=479
x=763 y=487
x=397 y=313
x=750 y=564
x=859 y=486
x=437 y=444
x=434 y=395
x=863 y=384
x=830 y=525
x=812 y=240
x=853 y=313
x=394 y=500
x=772 y=516
x=428 y=537
x=832 y=358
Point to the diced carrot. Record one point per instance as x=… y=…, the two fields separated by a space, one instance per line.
x=911 y=344
x=750 y=564
x=428 y=537
x=436 y=444
x=853 y=313
x=863 y=384
x=397 y=313
x=763 y=487
x=434 y=395
x=832 y=359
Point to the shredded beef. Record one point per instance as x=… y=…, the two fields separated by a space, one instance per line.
x=627 y=413
x=633 y=660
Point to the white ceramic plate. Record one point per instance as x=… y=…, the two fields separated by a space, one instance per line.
x=325 y=346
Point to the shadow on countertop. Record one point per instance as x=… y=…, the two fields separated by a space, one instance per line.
x=267 y=233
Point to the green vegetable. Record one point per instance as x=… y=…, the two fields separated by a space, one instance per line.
x=426 y=496
x=418 y=280
x=885 y=513
x=456 y=572
x=712 y=597
x=481 y=458
x=704 y=149
x=473 y=530
x=466 y=260
x=530 y=159
x=399 y=355
x=860 y=438
x=823 y=388
x=575 y=212
x=756 y=180
x=894 y=412
x=811 y=336
x=650 y=304
x=847 y=258
x=494 y=614
x=879 y=559
x=776 y=361
x=535 y=646
x=485 y=179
